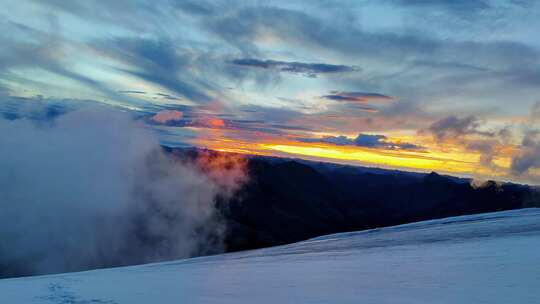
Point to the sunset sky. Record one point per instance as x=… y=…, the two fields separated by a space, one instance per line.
x=449 y=86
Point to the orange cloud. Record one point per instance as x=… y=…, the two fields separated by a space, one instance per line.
x=209 y=122
x=228 y=171
x=216 y=123
x=167 y=115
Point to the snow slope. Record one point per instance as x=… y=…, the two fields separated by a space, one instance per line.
x=487 y=258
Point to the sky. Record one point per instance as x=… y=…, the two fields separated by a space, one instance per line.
x=433 y=85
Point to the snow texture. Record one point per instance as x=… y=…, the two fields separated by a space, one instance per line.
x=487 y=258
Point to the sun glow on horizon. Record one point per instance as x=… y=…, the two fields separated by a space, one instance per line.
x=450 y=159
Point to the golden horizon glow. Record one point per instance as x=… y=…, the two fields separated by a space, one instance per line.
x=451 y=158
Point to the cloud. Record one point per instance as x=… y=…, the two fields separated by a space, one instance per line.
x=486 y=148
x=167 y=96
x=208 y=122
x=157 y=61
x=528 y=156
x=147 y=44
x=363 y=140
x=93 y=188
x=306 y=69
x=430 y=54
x=459 y=6
x=37 y=108
x=467 y=132
x=535 y=111
x=44 y=52
x=195 y=7
x=367 y=140
x=132 y=92
x=128 y=14
x=357 y=97
x=270 y=114
x=452 y=127
x=165 y=116
x=462 y=64
x=250 y=118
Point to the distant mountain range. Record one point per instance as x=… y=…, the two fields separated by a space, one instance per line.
x=288 y=200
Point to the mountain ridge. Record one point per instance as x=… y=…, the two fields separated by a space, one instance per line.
x=286 y=200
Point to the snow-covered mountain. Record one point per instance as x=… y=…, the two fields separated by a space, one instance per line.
x=486 y=258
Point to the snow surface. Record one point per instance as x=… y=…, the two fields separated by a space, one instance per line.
x=487 y=258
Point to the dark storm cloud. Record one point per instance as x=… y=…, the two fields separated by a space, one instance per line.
x=350 y=102
x=363 y=140
x=306 y=69
x=291 y=127
x=360 y=97
x=167 y=96
x=449 y=66
x=132 y=92
x=528 y=156
x=152 y=95
x=452 y=127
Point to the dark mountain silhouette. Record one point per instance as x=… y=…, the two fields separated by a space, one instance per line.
x=291 y=200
